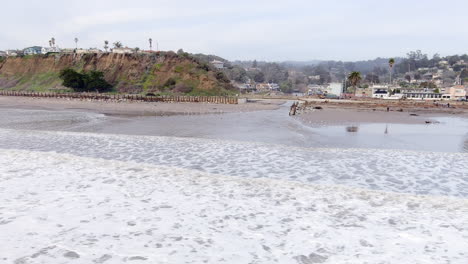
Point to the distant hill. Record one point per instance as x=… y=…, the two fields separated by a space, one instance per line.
x=164 y=72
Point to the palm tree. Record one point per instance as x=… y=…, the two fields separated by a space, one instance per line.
x=76 y=43
x=137 y=49
x=151 y=43
x=391 y=62
x=52 y=40
x=354 y=78
x=117 y=44
x=106 y=44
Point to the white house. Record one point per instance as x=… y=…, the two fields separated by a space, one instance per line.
x=46 y=50
x=218 y=64
x=125 y=50
x=11 y=53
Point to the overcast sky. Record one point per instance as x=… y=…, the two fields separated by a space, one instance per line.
x=271 y=30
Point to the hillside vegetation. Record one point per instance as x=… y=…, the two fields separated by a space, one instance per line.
x=161 y=73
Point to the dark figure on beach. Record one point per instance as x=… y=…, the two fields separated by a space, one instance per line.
x=448 y=105
x=388 y=109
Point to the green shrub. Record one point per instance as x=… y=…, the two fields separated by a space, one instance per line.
x=85 y=82
x=170 y=82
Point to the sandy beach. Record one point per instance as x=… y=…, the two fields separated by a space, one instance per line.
x=135 y=108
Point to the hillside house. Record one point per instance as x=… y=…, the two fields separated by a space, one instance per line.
x=218 y=64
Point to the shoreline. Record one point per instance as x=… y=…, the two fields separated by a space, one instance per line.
x=331 y=113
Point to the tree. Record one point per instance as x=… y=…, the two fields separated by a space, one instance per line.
x=150 y=40
x=391 y=62
x=286 y=87
x=94 y=81
x=52 y=40
x=464 y=74
x=354 y=78
x=76 y=43
x=259 y=77
x=427 y=85
x=106 y=44
x=84 y=82
x=72 y=79
x=118 y=44
x=137 y=49
x=254 y=64
x=372 y=78
x=408 y=78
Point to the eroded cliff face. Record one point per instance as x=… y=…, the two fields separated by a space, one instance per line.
x=129 y=73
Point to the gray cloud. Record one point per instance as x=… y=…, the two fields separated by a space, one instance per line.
x=269 y=30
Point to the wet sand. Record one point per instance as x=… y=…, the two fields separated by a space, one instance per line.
x=439 y=108
x=336 y=116
x=135 y=108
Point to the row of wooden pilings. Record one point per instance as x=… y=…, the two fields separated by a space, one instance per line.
x=127 y=97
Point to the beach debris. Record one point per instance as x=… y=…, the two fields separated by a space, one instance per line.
x=352 y=129
x=428 y=122
x=318 y=107
x=414 y=115
x=293 y=109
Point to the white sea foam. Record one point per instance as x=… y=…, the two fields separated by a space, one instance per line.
x=387 y=170
x=60 y=208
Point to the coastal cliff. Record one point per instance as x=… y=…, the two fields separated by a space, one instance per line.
x=164 y=72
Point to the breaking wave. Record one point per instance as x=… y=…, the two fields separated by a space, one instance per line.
x=401 y=171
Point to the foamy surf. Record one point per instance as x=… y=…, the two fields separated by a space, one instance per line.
x=60 y=208
x=386 y=170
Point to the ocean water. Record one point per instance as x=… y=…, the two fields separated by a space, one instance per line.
x=84 y=197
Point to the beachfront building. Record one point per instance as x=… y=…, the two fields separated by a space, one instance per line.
x=456 y=92
x=380 y=91
x=315 y=89
x=218 y=64
x=423 y=94
x=335 y=89
x=32 y=50
x=364 y=92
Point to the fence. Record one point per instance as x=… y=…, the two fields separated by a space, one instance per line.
x=127 y=97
